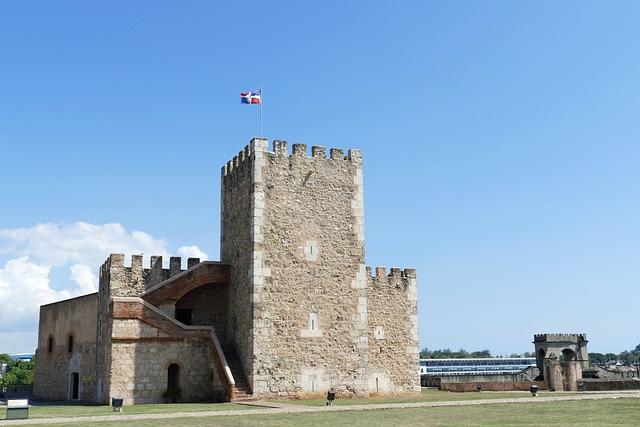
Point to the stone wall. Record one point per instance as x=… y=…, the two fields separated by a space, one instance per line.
x=528 y=374
x=293 y=230
x=608 y=384
x=393 y=332
x=134 y=280
x=240 y=232
x=295 y=300
x=552 y=345
x=145 y=341
x=209 y=306
x=130 y=351
x=139 y=370
x=310 y=314
x=75 y=318
x=493 y=386
x=104 y=326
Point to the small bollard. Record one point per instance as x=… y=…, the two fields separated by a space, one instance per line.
x=534 y=390
x=331 y=396
x=116 y=403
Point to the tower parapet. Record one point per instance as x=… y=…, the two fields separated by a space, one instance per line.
x=396 y=277
x=134 y=279
x=392 y=310
x=559 y=337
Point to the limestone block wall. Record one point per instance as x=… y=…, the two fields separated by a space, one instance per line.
x=139 y=370
x=393 y=332
x=117 y=280
x=240 y=235
x=127 y=281
x=209 y=306
x=145 y=341
x=77 y=318
x=310 y=303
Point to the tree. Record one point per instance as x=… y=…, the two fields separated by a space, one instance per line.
x=597 y=358
x=629 y=357
x=17 y=372
x=481 y=353
x=447 y=353
x=611 y=357
x=5 y=359
x=424 y=353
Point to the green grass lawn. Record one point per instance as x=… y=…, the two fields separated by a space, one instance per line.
x=427 y=395
x=46 y=410
x=75 y=410
x=621 y=412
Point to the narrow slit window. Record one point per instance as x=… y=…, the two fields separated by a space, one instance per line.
x=313 y=321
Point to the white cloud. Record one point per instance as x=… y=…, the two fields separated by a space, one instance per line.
x=33 y=253
x=192 y=252
x=24 y=286
x=84 y=277
x=78 y=243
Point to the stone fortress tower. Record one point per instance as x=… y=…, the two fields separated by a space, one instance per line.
x=293 y=228
x=291 y=310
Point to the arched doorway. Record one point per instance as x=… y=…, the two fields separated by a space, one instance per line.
x=173 y=383
x=540 y=360
x=74 y=386
x=567 y=355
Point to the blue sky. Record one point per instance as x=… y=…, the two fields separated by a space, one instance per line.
x=500 y=142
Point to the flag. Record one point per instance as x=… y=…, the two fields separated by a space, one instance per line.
x=250 y=97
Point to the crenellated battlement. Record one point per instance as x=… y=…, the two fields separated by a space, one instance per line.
x=555 y=337
x=396 y=277
x=280 y=149
x=133 y=279
x=240 y=160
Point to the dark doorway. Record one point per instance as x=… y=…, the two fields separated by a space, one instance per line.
x=75 y=386
x=540 y=360
x=173 y=383
x=183 y=315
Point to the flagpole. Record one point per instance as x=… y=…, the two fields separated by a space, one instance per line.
x=260 y=111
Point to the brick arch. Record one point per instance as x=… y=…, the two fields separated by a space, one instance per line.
x=183 y=292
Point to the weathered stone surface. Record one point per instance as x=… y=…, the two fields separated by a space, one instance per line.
x=393 y=311
x=291 y=310
x=75 y=318
x=561 y=358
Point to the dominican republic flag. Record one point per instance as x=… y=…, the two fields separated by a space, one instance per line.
x=250 y=97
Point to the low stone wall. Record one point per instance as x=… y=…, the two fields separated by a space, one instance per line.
x=607 y=385
x=493 y=386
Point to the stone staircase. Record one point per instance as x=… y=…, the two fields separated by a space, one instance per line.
x=241 y=392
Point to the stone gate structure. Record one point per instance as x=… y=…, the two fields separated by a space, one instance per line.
x=561 y=358
x=291 y=310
